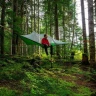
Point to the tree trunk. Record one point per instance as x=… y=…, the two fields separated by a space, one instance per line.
x=73 y=27
x=46 y=25
x=56 y=25
x=27 y=28
x=2 y=28
x=95 y=10
x=84 y=27
x=34 y=17
x=91 y=32
x=63 y=23
x=49 y=16
x=38 y=25
x=22 y=13
x=84 y=35
x=31 y=16
x=14 y=31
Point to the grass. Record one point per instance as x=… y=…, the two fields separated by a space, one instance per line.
x=21 y=79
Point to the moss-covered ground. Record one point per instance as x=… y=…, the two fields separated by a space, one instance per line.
x=19 y=77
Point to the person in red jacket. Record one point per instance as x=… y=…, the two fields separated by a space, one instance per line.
x=46 y=44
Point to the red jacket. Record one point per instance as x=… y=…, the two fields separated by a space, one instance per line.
x=45 y=41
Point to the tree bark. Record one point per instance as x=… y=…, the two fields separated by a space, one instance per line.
x=64 y=34
x=85 y=55
x=34 y=17
x=73 y=27
x=56 y=25
x=14 y=31
x=2 y=28
x=91 y=32
x=84 y=27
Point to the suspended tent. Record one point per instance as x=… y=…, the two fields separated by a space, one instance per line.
x=35 y=39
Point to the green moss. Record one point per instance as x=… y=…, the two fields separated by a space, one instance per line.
x=44 y=82
x=8 y=92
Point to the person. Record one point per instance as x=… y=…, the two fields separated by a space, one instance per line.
x=46 y=44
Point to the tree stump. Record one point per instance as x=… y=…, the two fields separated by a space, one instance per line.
x=85 y=59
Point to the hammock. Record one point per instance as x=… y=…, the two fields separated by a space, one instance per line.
x=35 y=39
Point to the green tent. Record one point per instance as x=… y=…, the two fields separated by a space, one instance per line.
x=35 y=39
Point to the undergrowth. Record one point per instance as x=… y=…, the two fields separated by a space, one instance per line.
x=21 y=79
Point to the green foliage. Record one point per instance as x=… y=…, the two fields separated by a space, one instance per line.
x=43 y=85
x=24 y=80
x=78 y=55
x=7 y=92
x=84 y=91
x=92 y=75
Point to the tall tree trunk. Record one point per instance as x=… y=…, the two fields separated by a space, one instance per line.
x=31 y=16
x=46 y=26
x=21 y=10
x=38 y=16
x=63 y=23
x=56 y=21
x=91 y=32
x=84 y=27
x=50 y=16
x=32 y=24
x=38 y=24
x=2 y=28
x=95 y=10
x=56 y=25
x=27 y=27
x=34 y=17
x=73 y=26
x=85 y=55
x=14 y=31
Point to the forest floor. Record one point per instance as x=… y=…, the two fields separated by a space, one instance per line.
x=19 y=77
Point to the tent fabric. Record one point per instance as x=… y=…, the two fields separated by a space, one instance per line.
x=35 y=39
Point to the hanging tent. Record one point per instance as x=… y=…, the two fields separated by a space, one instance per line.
x=35 y=39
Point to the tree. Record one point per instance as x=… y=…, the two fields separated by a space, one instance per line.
x=14 y=29
x=56 y=23
x=84 y=27
x=95 y=9
x=17 y=24
x=34 y=15
x=2 y=27
x=91 y=32
x=73 y=25
x=84 y=33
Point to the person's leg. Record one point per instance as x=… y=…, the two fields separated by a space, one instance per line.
x=51 y=50
x=45 y=47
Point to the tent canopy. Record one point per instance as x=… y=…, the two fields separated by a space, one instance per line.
x=35 y=39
